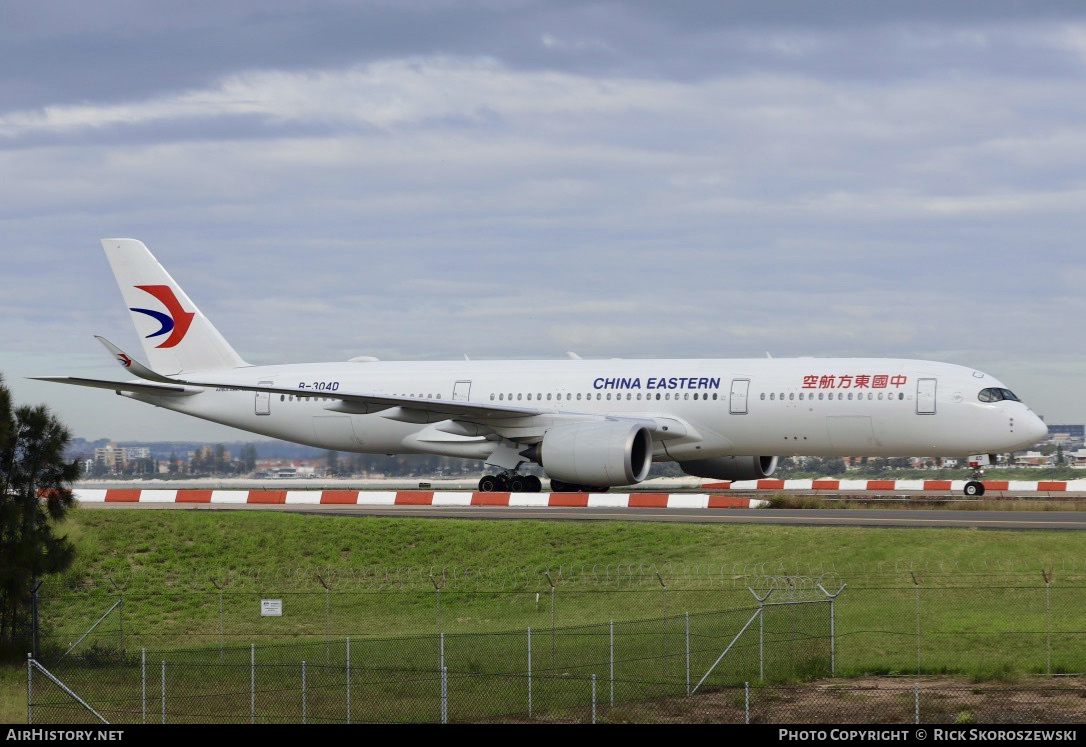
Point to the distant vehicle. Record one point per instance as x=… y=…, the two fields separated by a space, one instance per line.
x=590 y=424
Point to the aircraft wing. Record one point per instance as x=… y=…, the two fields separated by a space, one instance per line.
x=158 y=390
x=362 y=403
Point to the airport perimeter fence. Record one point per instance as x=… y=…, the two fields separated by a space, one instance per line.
x=561 y=675
x=201 y=649
x=981 y=622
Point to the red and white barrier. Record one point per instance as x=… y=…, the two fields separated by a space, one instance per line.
x=930 y=486
x=415 y=498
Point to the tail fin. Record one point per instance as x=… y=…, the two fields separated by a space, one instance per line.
x=176 y=337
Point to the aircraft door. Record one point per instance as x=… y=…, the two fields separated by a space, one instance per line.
x=263 y=399
x=925 y=396
x=737 y=403
x=461 y=391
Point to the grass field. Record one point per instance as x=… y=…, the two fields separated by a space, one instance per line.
x=978 y=598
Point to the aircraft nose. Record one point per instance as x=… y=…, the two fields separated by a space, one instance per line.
x=1034 y=428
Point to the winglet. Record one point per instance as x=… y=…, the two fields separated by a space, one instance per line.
x=130 y=364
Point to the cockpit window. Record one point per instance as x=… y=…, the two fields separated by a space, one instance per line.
x=995 y=394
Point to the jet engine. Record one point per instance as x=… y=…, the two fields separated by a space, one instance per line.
x=606 y=454
x=731 y=467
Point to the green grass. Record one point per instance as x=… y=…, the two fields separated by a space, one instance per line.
x=983 y=604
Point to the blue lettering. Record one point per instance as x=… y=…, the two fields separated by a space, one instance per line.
x=657 y=382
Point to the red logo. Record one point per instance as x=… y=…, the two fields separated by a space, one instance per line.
x=175 y=323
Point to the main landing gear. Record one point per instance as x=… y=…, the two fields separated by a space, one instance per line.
x=510 y=482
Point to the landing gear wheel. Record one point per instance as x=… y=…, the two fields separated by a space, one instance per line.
x=516 y=484
x=488 y=484
x=974 y=487
x=533 y=484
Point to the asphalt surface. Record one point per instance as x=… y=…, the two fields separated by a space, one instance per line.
x=857 y=517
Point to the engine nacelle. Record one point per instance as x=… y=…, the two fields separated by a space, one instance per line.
x=732 y=467
x=603 y=454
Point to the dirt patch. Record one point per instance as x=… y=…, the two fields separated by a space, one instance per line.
x=874 y=700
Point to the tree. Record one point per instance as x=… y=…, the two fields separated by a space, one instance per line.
x=35 y=494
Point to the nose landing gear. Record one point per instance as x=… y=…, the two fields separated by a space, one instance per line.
x=974 y=487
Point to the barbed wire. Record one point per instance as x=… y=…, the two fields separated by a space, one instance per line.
x=762 y=575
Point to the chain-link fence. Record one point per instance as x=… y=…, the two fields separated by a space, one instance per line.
x=561 y=674
x=171 y=692
x=664 y=632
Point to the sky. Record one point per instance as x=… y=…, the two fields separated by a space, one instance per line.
x=428 y=179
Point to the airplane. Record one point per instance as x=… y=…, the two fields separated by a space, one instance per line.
x=589 y=424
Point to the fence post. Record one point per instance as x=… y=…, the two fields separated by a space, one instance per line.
x=746 y=702
x=163 y=691
x=252 y=683
x=916 y=583
x=303 y=691
x=29 y=688
x=761 y=630
x=688 y=652
x=143 y=684
x=220 y=588
x=348 y=679
x=664 y=622
x=529 y=672
x=593 y=698
x=611 y=656
x=1047 y=575
x=833 y=636
x=916 y=700
x=444 y=695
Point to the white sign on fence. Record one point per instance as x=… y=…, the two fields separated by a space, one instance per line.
x=271 y=607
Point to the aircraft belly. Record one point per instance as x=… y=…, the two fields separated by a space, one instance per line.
x=851 y=433
x=336 y=432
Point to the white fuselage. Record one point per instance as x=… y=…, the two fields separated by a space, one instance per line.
x=780 y=407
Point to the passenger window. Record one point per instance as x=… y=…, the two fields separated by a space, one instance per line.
x=578 y=396
x=791 y=395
